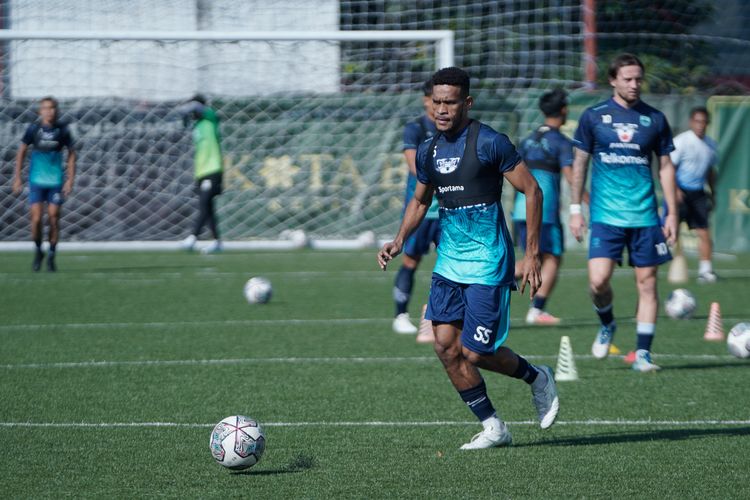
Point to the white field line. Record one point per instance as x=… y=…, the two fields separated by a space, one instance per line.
x=311 y=360
x=515 y=322
x=166 y=324
x=209 y=274
x=578 y=423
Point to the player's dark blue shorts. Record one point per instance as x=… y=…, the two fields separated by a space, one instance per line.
x=550 y=239
x=40 y=194
x=484 y=310
x=418 y=243
x=646 y=245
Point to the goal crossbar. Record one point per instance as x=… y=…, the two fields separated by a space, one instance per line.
x=444 y=38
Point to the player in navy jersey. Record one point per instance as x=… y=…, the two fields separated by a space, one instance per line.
x=469 y=304
x=428 y=232
x=547 y=153
x=621 y=134
x=48 y=182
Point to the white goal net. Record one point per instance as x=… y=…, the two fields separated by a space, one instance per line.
x=312 y=126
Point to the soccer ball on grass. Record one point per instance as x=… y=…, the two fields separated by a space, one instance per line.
x=237 y=442
x=258 y=290
x=680 y=304
x=738 y=340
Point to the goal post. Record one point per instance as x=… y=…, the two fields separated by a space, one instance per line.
x=314 y=145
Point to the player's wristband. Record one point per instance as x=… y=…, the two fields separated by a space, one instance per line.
x=575 y=209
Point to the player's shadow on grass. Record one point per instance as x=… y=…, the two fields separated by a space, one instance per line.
x=705 y=366
x=631 y=437
x=300 y=463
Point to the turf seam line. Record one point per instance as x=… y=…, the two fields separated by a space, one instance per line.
x=584 y=423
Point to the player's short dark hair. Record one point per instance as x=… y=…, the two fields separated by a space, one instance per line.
x=700 y=109
x=199 y=98
x=455 y=77
x=552 y=103
x=622 y=60
x=427 y=88
x=51 y=99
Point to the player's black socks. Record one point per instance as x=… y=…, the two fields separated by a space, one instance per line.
x=38 y=257
x=402 y=288
x=606 y=314
x=478 y=402
x=538 y=302
x=525 y=371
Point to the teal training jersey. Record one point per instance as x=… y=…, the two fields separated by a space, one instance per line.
x=546 y=152
x=207 y=144
x=621 y=142
x=475 y=246
x=47 y=142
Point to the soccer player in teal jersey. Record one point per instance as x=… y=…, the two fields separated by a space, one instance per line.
x=621 y=134
x=48 y=182
x=469 y=304
x=547 y=153
x=208 y=170
x=428 y=232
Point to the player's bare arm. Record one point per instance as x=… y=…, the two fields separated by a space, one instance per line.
x=580 y=166
x=20 y=159
x=567 y=171
x=669 y=188
x=415 y=212
x=531 y=267
x=70 y=173
x=711 y=180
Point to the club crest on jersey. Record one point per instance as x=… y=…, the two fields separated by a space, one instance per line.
x=625 y=131
x=447 y=165
x=645 y=121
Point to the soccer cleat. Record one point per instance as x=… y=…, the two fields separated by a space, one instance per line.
x=51 y=267
x=490 y=437
x=545 y=398
x=38 y=258
x=707 y=277
x=600 y=347
x=189 y=243
x=539 y=317
x=402 y=325
x=643 y=362
x=213 y=247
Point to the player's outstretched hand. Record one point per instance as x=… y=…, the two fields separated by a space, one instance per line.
x=577 y=226
x=387 y=253
x=531 y=268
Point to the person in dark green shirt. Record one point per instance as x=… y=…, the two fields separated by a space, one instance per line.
x=208 y=169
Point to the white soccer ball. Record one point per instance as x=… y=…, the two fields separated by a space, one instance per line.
x=237 y=442
x=680 y=304
x=738 y=340
x=258 y=290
